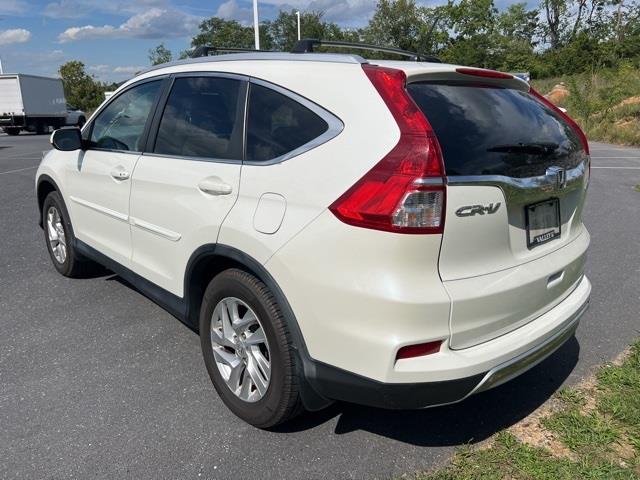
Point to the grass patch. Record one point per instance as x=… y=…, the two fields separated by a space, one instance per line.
x=590 y=434
x=637 y=188
x=597 y=424
x=571 y=396
x=507 y=458
x=619 y=396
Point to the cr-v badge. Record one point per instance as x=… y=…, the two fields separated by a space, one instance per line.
x=470 y=210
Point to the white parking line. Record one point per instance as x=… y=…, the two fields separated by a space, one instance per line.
x=600 y=158
x=19 y=170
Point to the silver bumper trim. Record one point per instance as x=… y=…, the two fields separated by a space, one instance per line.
x=512 y=368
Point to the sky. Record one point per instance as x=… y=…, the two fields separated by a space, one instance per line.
x=112 y=37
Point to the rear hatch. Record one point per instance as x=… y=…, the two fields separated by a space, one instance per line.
x=517 y=172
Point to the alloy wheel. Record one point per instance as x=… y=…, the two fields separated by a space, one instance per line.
x=240 y=349
x=56 y=235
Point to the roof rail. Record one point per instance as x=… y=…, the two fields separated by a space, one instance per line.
x=307 y=45
x=206 y=50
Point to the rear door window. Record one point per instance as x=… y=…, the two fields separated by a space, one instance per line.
x=203 y=117
x=277 y=124
x=484 y=130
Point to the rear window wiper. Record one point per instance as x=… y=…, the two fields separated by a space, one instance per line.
x=540 y=148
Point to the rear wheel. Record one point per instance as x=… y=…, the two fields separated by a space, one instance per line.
x=12 y=130
x=247 y=349
x=60 y=239
x=81 y=122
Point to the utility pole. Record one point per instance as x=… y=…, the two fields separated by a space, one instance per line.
x=298 y=15
x=256 y=27
x=1 y=70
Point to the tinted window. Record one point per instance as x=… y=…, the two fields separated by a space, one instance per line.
x=278 y=124
x=121 y=124
x=203 y=118
x=496 y=131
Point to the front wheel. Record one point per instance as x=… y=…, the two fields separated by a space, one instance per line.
x=12 y=130
x=247 y=349
x=59 y=236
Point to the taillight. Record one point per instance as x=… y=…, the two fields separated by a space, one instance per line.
x=481 y=72
x=405 y=191
x=567 y=118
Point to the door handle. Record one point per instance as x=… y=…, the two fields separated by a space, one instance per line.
x=120 y=173
x=215 y=186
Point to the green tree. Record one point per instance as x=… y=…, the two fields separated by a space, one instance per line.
x=80 y=89
x=283 y=31
x=517 y=29
x=473 y=24
x=556 y=19
x=395 y=23
x=160 y=54
x=224 y=33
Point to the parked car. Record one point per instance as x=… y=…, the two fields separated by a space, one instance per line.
x=75 y=116
x=398 y=234
x=31 y=103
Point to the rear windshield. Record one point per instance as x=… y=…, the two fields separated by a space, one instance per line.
x=496 y=131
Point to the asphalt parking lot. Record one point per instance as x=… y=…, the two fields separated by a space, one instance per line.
x=96 y=381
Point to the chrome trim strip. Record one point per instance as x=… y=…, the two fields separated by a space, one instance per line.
x=529 y=359
x=526 y=190
x=151 y=228
x=107 y=211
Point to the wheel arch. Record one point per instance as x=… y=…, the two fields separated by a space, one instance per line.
x=211 y=259
x=44 y=187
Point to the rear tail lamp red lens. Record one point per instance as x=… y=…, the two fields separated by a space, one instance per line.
x=418 y=350
x=405 y=191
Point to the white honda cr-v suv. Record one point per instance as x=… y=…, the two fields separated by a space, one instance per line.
x=400 y=234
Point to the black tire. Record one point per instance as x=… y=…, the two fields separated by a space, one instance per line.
x=41 y=128
x=81 y=122
x=74 y=264
x=12 y=130
x=281 y=402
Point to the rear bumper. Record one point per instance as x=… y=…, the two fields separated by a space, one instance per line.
x=337 y=384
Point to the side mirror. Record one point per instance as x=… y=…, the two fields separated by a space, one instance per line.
x=67 y=139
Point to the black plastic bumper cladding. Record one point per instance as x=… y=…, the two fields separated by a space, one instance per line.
x=336 y=384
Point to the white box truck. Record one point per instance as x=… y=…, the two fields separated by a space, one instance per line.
x=32 y=103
